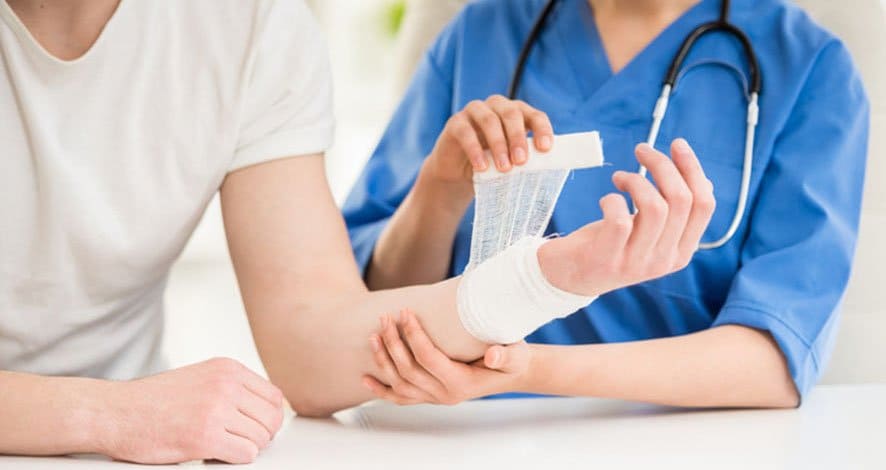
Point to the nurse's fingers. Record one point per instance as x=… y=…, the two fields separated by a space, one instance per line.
x=386 y=393
x=671 y=185
x=540 y=125
x=617 y=223
x=490 y=125
x=515 y=127
x=389 y=370
x=405 y=364
x=425 y=351
x=462 y=130
x=652 y=211
x=703 y=201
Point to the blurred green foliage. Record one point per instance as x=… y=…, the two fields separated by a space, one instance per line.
x=393 y=15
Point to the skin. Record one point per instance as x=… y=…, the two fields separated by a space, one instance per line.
x=413 y=249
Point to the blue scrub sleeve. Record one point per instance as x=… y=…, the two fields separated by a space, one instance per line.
x=796 y=258
x=408 y=139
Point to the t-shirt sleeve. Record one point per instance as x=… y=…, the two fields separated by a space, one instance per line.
x=796 y=259
x=286 y=104
x=408 y=139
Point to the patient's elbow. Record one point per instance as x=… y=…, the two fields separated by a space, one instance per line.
x=785 y=397
x=308 y=406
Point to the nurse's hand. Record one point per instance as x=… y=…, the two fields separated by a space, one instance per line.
x=416 y=371
x=217 y=409
x=497 y=124
x=624 y=249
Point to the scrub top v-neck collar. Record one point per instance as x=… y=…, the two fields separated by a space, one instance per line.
x=580 y=41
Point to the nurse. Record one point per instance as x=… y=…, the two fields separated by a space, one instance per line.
x=748 y=324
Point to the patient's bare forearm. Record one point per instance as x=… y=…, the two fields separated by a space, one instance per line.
x=319 y=358
x=311 y=314
x=49 y=415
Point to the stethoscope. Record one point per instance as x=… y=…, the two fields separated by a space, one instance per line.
x=661 y=105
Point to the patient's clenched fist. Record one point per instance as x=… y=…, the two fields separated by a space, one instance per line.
x=217 y=409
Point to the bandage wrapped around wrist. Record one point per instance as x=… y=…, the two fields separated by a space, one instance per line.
x=504 y=294
x=507 y=297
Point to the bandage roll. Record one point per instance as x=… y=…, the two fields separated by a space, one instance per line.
x=519 y=203
x=507 y=297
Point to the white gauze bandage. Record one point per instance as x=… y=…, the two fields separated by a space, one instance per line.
x=503 y=295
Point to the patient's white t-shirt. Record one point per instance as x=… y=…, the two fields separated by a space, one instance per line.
x=107 y=163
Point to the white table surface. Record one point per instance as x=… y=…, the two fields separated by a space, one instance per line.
x=839 y=426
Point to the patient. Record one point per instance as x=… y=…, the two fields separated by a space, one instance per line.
x=120 y=121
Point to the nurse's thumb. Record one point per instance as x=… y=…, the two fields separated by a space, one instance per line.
x=509 y=359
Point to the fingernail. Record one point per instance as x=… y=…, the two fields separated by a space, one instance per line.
x=544 y=142
x=503 y=162
x=480 y=162
x=682 y=146
x=519 y=155
x=374 y=343
x=643 y=147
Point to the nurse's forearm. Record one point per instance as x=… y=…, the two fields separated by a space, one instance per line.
x=416 y=245
x=727 y=366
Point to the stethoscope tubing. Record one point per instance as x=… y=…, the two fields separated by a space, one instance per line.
x=722 y=24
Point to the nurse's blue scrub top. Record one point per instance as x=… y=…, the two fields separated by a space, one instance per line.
x=786 y=268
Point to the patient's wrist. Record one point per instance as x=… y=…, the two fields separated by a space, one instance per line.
x=88 y=421
x=508 y=296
